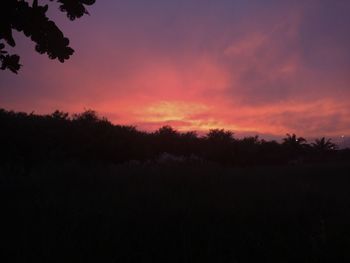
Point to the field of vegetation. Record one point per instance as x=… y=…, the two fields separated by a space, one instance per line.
x=79 y=189
x=74 y=212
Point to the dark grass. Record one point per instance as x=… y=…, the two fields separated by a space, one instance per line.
x=74 y=212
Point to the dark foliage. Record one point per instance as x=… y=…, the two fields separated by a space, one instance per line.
x=33 y=138
x=34 y=24
x=80 y=189
x=71 y=212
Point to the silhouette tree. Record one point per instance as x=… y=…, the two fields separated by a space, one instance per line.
x=220 y=136
x=33 y=23
x=33 y=139
x=294 y=146
x=60 y=115
x=167 y=132
x=165 y=140
x=249 y=144
x=220 y=145
x=293 y=141
x=88 y=116
x=323 y=145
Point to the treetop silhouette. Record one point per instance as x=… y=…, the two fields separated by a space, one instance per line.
x=323 y=144
x=293 y=141
x=86 y=136
x=32 y=21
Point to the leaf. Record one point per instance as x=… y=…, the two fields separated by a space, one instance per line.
x=11 y=62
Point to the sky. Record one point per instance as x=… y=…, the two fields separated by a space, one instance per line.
x=268 y=67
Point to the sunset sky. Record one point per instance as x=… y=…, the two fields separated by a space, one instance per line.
x=251 y=66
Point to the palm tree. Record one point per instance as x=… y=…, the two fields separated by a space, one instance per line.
x=294 y=146
x=323 y=145
x=294 y=141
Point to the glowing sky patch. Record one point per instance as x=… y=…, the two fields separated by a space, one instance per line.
x=267 y=67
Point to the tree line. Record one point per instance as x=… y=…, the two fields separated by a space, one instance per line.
x=32 y=138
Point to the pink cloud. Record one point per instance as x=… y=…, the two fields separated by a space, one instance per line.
x=259 y=72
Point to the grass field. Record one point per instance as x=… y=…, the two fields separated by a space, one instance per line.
x=71 y=212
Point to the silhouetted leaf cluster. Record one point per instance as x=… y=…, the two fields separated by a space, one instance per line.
x=32 y=21
x=87 y=137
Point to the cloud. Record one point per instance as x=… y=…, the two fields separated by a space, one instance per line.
x=269 y=67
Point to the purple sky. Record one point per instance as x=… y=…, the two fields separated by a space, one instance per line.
x=248 y=65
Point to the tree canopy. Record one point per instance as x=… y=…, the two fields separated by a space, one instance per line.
x=32 y=21
x=86 y=136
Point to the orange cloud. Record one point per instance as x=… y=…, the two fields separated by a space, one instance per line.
x=264 y=70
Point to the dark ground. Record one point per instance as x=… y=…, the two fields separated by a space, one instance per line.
x=71 y=212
